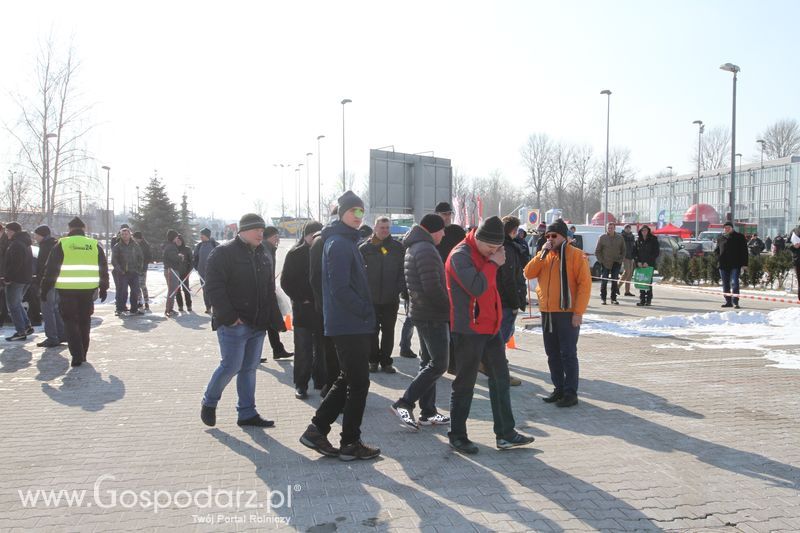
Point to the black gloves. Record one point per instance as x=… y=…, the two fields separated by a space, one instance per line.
x=103 y=295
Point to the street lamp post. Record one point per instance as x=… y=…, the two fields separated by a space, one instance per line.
x=700 y=128
x=108 y=202
x=671 y=186
x=319 y=178
x=730 y=67
x=608 y=130
x=308 y=187
x=762 y=142
x=344 y=168
x=297 y=192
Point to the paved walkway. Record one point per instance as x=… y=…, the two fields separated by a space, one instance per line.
x=663 y=439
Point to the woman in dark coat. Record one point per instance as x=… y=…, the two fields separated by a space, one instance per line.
x=186 y=269
x=645 y=255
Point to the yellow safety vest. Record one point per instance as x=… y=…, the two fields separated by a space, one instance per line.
x=80 y=269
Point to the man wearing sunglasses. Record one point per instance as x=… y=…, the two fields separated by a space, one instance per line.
x=565 y=285
x=349 y=318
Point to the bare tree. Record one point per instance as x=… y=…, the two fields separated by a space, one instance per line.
x=782 y=139
x=562 y=161
x=582 y=166
x=52 y=126
x=619 y=167
x=716 y=151
x=537 y=160
x=15 y=193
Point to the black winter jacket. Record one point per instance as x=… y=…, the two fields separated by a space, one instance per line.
x=240 y=285
x=425 y=278
x=171 y=258
x=45 y=247
x=795 y=251
x=4 y=242
x=315 y=269
x=296 y=283
x=647 y=250
x=453 y=234
x=732 y=251
x=19 y=259
x=187 y=264
x=384 y=262
x=510 y=282
x=630 y=244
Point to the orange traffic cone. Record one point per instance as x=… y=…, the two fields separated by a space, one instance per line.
x=287 y=321
x=511 y=345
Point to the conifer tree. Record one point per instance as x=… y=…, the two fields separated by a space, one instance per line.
x=158 y=215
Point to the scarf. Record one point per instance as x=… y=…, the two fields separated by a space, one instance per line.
x=564 y=296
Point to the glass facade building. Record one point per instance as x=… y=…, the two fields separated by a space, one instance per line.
x=765 y=195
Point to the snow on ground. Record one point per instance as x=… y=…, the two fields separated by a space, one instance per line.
x=776 y=333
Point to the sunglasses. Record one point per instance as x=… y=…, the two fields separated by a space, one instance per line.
x=551 y=236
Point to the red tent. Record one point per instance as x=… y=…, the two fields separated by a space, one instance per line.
x=669 y=229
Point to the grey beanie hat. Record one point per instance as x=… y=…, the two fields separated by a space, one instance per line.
x=348 y=201
x=491 y=231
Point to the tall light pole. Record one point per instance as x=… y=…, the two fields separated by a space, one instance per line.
x=138 y=203
x=297 y=192
x=308 y=187
x=48 y=200
x=762 y=142
x=108 y=202
x=700 y=128
x=671 y=185
x=319 y=178
x=730 y=67
x=608 y=131
x=344 y=168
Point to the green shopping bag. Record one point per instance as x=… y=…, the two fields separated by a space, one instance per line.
x=643 y=277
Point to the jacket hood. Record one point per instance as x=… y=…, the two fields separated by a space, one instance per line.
x=337 y=227
x=417 y=234
x=22 y=237
x=649 y=233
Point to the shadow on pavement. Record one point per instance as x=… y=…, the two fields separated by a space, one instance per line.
x=84 y=387
x=52 y=364
x=14 y=358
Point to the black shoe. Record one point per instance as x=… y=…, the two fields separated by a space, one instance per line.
x=517 y=440
x=47 y=343
x=180 y=309
x=282 y=355
x=629 y=294
x=640 y=304
x=29 y=330
x=603 y=301
x=263 y=359
x=648 y=303
x=408 y=353
x=17 y=337
x=208 y=310
x=300 y=394
x=314 y=439
x=189 y=308
x=256 y=421
x=117 y=312
x=389 y=369
x=76 y=362
x=464 y=445
x=358 y=450
x=567 y=401
x=554 y=396
x=728 y=304
x=373 y=367
x=614 y=301
x=736 y=306
x=208 y=415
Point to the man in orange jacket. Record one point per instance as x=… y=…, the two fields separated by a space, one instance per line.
x=565 y=285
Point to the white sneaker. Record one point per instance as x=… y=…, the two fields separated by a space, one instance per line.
x=406 y=416
x=436 y=420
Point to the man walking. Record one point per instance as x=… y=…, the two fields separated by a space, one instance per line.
x=732 y=255
x=350 y=320
x=271 y=240
x=564 y=288
x=429 y=310
x=147 y=258
x=173 y=262
x=628 y=264
x=647 y=252
x=471 y=271
x=18 y=274
x=383 y=258
x=610 y=252
x=53 y=323
x=241 y=286
x=510 y=283
x=86 y=272
x=307 y=337
x=127 y=260
x=453 y=233
x=755 y=245
x=200 y=259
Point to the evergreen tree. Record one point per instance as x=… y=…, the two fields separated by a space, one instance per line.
x=187 y=229
x=158 y=215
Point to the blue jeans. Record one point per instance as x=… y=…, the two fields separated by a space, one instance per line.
x=53 y=323
x=126 y=280
x=434 y=354
x=470 y=351
x=561 y=347
x=14 y=294
x=240 y=350
x=507 y=324
x=612 y=274
x=730 y=284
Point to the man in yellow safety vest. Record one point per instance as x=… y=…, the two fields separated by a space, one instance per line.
x=77 y=267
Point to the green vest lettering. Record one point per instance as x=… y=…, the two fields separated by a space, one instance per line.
x=80 y=269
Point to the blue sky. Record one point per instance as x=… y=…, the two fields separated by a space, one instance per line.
x=214 y=94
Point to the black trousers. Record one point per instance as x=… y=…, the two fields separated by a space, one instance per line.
x=386 y=317
x=186 y=294
x=77 y=307
x=34 y=303
x=275 y=341
x=349 y=392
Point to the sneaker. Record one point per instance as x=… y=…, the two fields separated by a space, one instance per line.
x=358 y=450
x=736 y=306
x=514 y=381
x=517 y=440
x=603 y=301
x=314 y=439
x=29 y=330
x=640 y=304
x=629 y=294
x=389 y=369
x=146 y=307
x=47 y=343
x=554 y=396
x=464 y=445
x=117 y=312
x=373 y=367
x=728 y=304
x=406 y=416
x=614 y=301
x=436 y=420
x=180 y=309
x=208 y=415
x=17 y=337
x=648 y=303
x=255 y=421
x=408 y=353
x=208 y=310
x=189 y=308
x=300 y=394
x=282 y=355
x=567 y=401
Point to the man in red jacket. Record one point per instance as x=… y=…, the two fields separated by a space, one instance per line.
x=475 y=315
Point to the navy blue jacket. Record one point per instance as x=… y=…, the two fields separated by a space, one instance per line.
x=346 y=302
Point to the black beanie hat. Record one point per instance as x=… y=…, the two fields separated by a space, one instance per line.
x=206 y=232
x=14 y=226
x=171 y=234
x=443 y=207
x=432 y=223
x=348 y=201
x=311 y=227
x=558 y=226
x=251 y=221
x=76 y=223
x=491 y=231
x=42 y=231
x=364 y=231
x=269 y=231
x=124 y=226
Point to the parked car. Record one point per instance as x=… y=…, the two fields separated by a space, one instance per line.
x=698 y=248
x=709 y=235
